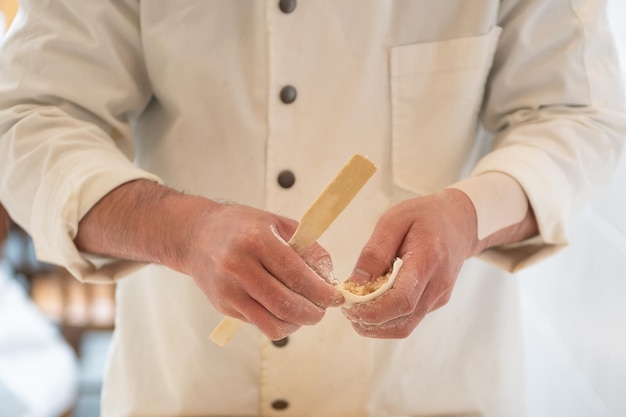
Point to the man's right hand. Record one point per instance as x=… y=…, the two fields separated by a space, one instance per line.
x=240 y=260
x=236 y=254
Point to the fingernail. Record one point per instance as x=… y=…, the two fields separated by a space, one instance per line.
x=360 y=276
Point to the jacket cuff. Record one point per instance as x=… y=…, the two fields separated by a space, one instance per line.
x=549 y=199
x=67 y=201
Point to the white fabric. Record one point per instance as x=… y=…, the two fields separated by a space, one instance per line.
x=498 y=200
x=190 y=92
x=573 y=305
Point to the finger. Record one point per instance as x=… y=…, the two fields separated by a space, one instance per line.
x=245 y=280
x=283 y=303
x=378 y=253
x=249 y=310
x=437 y=292
x=401 y=300
x=289 y=268
x=397 y=328
x=401 y=327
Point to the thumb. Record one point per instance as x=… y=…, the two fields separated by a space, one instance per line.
x=377 y=255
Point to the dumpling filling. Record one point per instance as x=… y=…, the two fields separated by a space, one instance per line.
x=354 y=293
x=368 y=287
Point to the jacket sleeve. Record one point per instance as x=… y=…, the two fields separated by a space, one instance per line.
x=71 y=76
x=554 y=105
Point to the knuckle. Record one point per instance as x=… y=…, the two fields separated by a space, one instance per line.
x=448 y=284
x=403 y=332
x=272 y=327
x=444 y=286
x=249 y=240
x=405 y=304
x=371 y=250
x=295 y=312
x=316 y=317
x=374 y=253
x=433 y=257
x=282 y=308
x=311 y=317
x=227 y=266
x=404 y=326
x=298 y=283
x=443 y=300
x=387 y=331
x=361 y=330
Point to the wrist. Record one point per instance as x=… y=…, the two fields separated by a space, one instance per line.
x=183 y=217
x=142 y=221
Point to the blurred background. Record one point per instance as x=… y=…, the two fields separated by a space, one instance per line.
x=574 y=305
x=55 y=332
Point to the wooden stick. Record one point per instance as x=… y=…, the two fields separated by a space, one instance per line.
x=324 y=210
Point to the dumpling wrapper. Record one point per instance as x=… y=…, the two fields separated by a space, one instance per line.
x=352 y=298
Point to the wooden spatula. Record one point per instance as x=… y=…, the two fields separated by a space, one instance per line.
x=324 y=210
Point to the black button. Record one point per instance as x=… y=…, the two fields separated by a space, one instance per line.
x=288 y=94
x=286 y=179
x=287 y=6
x=281 y=343
x=280 y=405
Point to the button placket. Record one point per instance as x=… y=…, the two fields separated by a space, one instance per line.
x=282 y=117
x=275 y=392
x=288 y=94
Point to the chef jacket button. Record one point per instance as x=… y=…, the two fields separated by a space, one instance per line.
x=288 y=94
x=280 y=404
x=281 y=343
x=286 y=179
x=287 y=6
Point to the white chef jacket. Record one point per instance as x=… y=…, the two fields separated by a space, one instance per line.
x=94 y=94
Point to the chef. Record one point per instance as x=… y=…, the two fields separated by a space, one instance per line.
x=169 y=146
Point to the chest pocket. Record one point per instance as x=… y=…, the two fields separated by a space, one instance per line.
x=436 y=94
